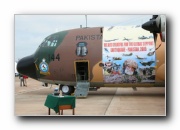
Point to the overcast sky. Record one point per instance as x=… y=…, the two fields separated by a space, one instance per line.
x=30 y=30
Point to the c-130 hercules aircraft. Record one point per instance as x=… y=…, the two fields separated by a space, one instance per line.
x=84 y=59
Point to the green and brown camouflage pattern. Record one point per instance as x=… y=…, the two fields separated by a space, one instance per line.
x=62 y=57
x=55 y=59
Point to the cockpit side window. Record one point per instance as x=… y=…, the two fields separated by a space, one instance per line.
x=50 y=41
x=54 y=42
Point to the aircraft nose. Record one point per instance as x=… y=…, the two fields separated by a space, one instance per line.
x=26 y=66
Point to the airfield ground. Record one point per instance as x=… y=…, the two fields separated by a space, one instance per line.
x=29 y=101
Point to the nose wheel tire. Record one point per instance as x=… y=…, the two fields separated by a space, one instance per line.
x=67 y=90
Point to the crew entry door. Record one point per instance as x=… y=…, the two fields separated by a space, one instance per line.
x=82 y=78
x=82 y=70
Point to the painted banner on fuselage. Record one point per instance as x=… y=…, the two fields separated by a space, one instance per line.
x=128 y=55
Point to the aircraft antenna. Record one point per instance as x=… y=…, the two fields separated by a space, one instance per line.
x=86 y=20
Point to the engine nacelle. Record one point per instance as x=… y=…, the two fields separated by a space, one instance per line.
x=156 y=25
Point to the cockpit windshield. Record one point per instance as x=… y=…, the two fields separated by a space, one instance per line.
x=50 y=41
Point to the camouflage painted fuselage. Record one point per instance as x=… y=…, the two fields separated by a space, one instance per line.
x=55 y=59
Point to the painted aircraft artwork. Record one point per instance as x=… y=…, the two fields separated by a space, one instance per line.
x=82 y=59
x=126 y=39
x=144 y=37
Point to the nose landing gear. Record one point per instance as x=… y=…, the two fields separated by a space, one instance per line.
x=66 y=90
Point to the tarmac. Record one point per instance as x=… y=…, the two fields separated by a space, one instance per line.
x=108 y=101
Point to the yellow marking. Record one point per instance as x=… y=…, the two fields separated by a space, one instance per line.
x=43 y=73
x=75 y=69
x=35 y=64
x=35 y=60
x=36 y=67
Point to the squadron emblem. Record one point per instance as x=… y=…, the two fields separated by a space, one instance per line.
x=43 y=66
